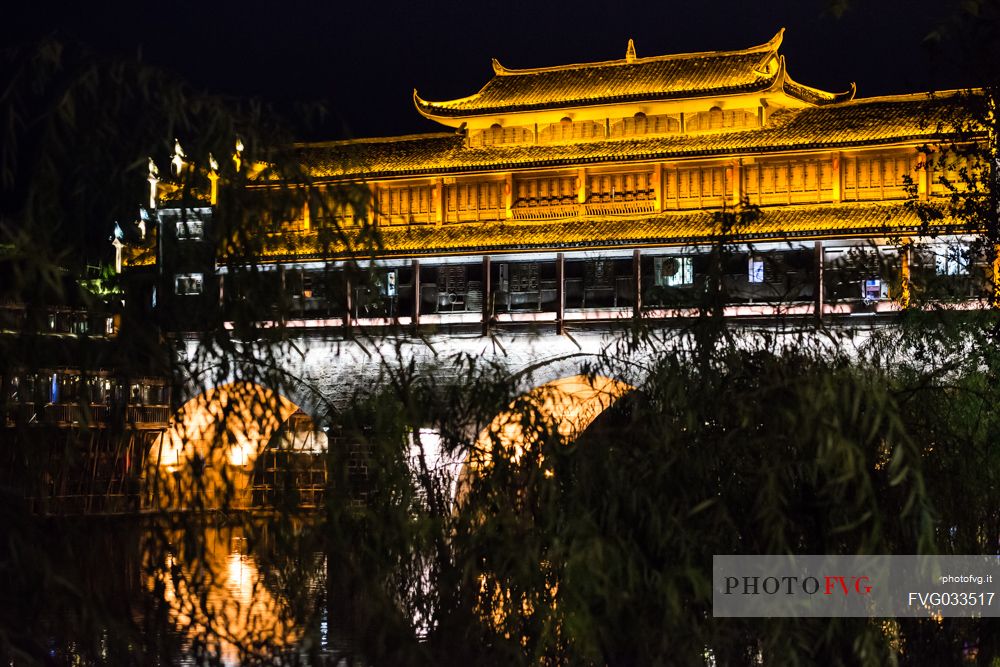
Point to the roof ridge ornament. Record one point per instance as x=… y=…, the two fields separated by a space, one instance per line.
x=177 y=160
x=630 y=51
x=783 y=82
x=775 y=42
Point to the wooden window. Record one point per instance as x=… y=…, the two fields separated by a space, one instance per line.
x=599 y=273
x=717 y=119
x=641 y=124
x=497 y=134
x=783 y=182
x=402 y=205
x=473 y=201
x=876 y=176
x=452 y=279
x=696 y=187
x=633 y=186
x=524 y=277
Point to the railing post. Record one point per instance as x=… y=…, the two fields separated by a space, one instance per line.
x=818 y=285
x=416 y=294
x=637 y=282
x=487 y=295
x=560 y=293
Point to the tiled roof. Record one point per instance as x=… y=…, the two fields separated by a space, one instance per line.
x=680 y=228
x=626 y=80
x=861 y=122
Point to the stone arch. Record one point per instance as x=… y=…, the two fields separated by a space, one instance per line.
x=566 y=405
x=205 y=455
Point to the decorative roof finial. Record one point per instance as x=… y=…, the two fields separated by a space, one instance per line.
x=213 y=178
x=630 y=52
x=238 y=155
x=177 y=161
x=116 y=240
x=141 y=223
x=153 y=178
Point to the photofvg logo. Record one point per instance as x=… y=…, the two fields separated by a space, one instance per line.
x=792 y=585
x=854 y=586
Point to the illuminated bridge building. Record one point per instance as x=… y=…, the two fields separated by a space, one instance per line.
x=567 y=199
x=579 y=192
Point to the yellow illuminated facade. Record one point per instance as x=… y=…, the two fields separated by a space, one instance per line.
x=594 y=191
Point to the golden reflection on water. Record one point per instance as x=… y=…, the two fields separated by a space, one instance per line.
x=223 y=601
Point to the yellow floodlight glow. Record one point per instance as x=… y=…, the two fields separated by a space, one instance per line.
x=221 y=432
x=566 y=406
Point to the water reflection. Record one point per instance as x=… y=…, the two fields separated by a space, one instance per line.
x=224 y=597
x=149 y=592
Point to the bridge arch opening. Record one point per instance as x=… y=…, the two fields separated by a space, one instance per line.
x=565 y=406
x=208 y=453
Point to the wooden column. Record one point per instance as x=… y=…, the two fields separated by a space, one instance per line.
x=487 y=295
x=658 y=187
x=737 y=171
x=905 y=252
x=560 y=293
x=439 y=201
x=819 y=285
x=373 y=203
x=637 y=282
x=838 y=194
x=416 y=294
x=581 y=186
x=508 y=195
x=922 y=176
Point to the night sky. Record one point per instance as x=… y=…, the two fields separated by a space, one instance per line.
x=363 y=58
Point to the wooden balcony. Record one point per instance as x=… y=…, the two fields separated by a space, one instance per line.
x=621 y=207
x=541 y=211
x=92 y=415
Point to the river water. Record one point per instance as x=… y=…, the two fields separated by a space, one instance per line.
x=177 y=591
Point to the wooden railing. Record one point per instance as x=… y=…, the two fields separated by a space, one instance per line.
x=96 y=415
x=147 y=415
x=545 y=212
x=621 y=207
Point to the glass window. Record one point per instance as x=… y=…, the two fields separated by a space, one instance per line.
x=190 y=230
x=188 y=283
x=673 y=271
x=950 y=260
x=874 y=289
x=386 y=283
x=755 y=269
